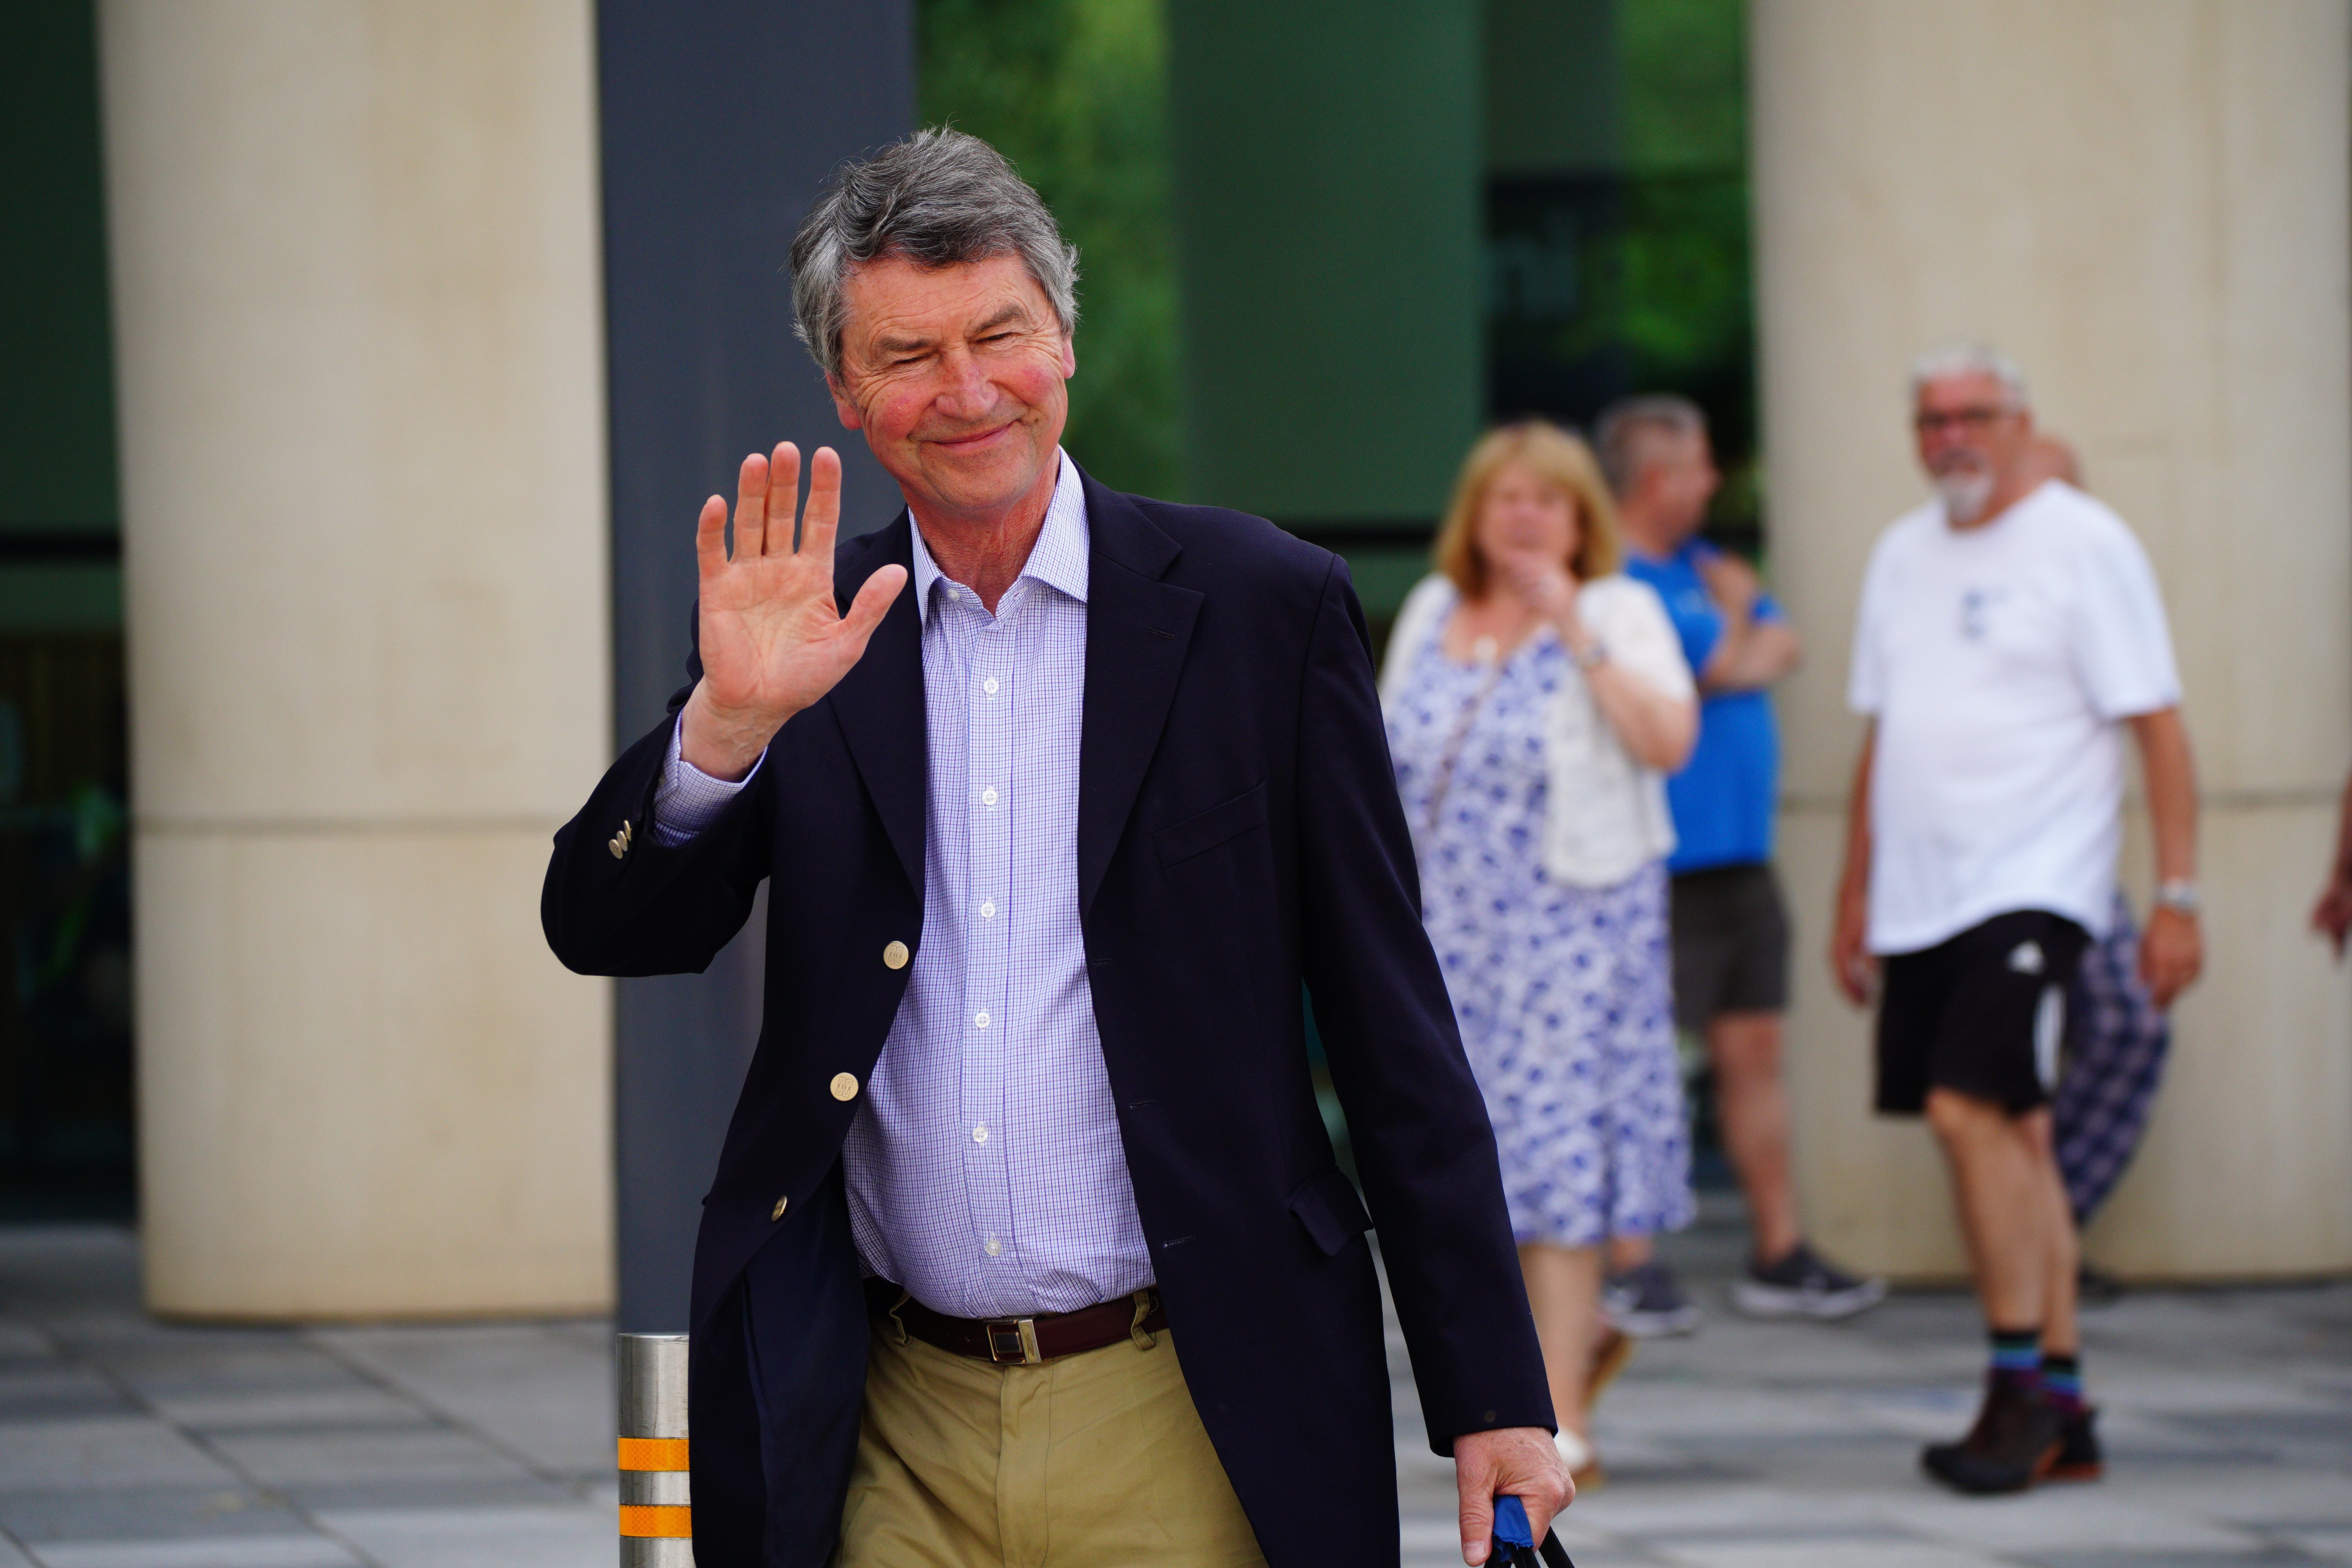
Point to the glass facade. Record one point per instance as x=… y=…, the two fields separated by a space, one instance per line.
x=65 y=923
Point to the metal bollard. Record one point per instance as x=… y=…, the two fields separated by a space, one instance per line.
x=657 y=1523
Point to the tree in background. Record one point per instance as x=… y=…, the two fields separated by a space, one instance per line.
x=1074 y=91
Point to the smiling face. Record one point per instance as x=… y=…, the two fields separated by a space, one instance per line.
x=1524 y=518
x=957 y=377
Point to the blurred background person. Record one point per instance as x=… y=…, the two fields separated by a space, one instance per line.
x=1536 y=698
x=2007 y=630
x=1730 y=927
x=2332 y=916
x=2117 y=1037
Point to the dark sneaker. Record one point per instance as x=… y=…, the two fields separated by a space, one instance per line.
x=2079 y=1458
x=2015 y=1443
x=1648 y=1303
x=1802 y=1286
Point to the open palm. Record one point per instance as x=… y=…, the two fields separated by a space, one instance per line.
x=774 y=640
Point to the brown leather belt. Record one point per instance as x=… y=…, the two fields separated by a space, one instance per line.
x=1016 y=1342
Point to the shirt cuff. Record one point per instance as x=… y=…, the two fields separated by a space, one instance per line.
x=687 y=799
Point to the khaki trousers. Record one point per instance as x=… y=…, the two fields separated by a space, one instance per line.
x=1079 y=1462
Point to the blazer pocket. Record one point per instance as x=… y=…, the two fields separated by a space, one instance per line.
x=1198 y=834
x=1329 y=1209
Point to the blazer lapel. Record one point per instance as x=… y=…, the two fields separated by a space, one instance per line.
x=1137 y=629
x=879 y=704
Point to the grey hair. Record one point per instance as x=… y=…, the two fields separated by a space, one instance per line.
x=1617 y=434
x=939 y=198
x=1969 y=359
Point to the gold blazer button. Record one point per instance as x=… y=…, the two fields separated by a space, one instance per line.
x=844 y=1086
x=894 y=955
x=778 y=1212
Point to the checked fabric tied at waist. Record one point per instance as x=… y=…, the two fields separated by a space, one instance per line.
x=1020 y=1342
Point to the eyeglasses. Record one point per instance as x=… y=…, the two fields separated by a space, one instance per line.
x=1973 y=419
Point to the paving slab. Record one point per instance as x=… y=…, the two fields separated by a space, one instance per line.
x=305 y=1551
x=546 y=1536
x=130 y=1443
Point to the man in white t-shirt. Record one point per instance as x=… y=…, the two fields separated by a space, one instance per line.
x=2009 y=630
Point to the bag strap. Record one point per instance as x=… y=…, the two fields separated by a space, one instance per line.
x=1491 y=657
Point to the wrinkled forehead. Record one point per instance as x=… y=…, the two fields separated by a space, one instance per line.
x=892 y=296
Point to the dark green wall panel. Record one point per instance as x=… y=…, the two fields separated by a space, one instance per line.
x=1329 y=163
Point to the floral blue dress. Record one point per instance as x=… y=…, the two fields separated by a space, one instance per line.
x=1562 y=993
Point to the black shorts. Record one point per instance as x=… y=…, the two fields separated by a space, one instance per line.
x=1981 y=1012
x=1731 y=943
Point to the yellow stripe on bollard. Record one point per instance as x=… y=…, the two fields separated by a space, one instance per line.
x=644 y=1521
x=652 y=1454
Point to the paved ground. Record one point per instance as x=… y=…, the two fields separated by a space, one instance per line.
x=2227 y=1417
x=127 y=1444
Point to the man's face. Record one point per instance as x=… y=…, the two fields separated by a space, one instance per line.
x=1680 y=478
x=1973 y=435
x=957 y=377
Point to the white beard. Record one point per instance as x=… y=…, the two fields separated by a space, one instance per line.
x=1965 y=492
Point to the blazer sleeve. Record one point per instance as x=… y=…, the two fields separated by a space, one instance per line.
x=1415 y=1117
x=618 y=901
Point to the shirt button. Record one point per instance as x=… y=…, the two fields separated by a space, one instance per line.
x=988 y=685
x=894 y=955
x=988 y=910
x=844 y=1086
x=988 y=798
x=993 y=1247
x=979 y=1134
x=980 y=1021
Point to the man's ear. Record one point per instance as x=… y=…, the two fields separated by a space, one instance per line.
x=1069 y=355
x=843 y=407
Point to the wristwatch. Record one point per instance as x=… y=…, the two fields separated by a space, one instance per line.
x=2178 y=895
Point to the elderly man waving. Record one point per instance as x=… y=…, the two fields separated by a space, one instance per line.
x=1026 y=1242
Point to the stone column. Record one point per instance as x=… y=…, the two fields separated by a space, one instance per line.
x=2145 y=201
x=362 y=396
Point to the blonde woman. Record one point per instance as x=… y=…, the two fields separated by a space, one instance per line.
x=1536 y=698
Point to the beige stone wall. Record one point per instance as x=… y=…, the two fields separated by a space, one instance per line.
x=360 y=343
x=2146 y=201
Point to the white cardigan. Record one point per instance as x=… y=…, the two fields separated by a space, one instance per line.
x=1605 y=815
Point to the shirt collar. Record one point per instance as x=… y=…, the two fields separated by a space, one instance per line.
x=1058 y=559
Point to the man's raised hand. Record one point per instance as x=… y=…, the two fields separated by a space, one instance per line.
x=773 y=640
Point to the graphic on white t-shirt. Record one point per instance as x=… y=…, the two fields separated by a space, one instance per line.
x=1998 y=662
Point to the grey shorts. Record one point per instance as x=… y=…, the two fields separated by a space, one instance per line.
x=1731 y=943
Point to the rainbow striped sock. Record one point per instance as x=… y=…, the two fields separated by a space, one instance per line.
x=2062 y=1383
x=2017 y=1354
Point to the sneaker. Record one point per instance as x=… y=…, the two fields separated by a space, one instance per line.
x=2079 y=1458
x=1647 y=1302
x=2016 y=1442
x=1802 y=1286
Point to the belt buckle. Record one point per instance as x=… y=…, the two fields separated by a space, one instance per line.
x=1012 y=1341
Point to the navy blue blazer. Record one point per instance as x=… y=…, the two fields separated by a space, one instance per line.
x=1239 y=834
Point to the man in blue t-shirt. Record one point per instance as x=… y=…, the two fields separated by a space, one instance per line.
x=1730 y=928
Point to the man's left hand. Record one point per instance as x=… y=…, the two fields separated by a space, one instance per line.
x=1519 y=1461
x=2171 y=953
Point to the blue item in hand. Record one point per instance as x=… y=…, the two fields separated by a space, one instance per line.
x=1515 y=1539
x=1511 y=1526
